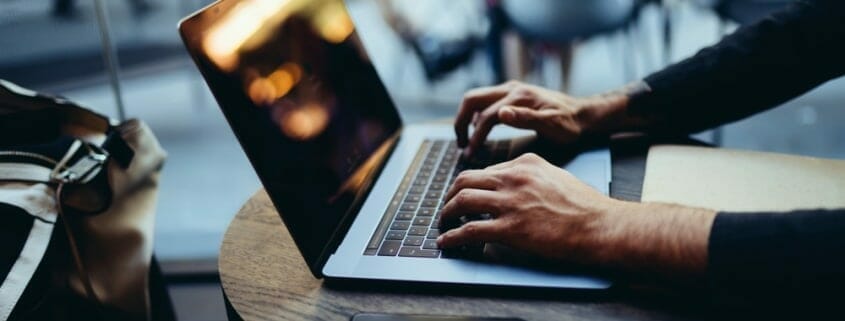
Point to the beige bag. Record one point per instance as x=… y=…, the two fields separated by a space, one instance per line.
x=90 y=188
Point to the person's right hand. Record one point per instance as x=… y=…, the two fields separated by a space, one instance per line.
x=553 y=115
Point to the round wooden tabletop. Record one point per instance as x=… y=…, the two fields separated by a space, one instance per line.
x=265 y=278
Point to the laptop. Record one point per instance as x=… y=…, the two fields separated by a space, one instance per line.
x=358 y=191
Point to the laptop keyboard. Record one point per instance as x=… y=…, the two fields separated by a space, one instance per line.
x=409 y=225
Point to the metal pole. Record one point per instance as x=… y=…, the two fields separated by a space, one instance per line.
x=110 y=58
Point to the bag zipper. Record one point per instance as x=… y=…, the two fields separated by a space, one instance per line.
x=32 y=156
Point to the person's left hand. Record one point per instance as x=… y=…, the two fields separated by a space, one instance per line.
x=536 y=207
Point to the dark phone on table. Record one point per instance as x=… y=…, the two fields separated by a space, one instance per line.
x=408 y=317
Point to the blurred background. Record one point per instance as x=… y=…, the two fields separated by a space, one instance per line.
x=427 y=53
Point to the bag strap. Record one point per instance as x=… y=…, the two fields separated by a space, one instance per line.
x=73 y=168
x=25 y=172
x=30 y=256
x=79 y=265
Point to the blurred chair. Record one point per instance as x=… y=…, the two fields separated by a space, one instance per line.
x=556 y=25
x=443 y=35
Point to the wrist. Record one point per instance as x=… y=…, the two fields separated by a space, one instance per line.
x=608 y=113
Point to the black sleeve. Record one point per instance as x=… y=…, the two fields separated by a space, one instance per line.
x=778 y=256
x=756 y=68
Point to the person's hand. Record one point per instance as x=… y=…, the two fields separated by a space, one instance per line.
x=537 y=207
x=544 y=210
x=553 y=115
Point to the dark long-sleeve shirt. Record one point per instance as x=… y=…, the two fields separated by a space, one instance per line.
x=790 y=256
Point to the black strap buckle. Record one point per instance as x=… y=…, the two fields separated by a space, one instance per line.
x=84 y=169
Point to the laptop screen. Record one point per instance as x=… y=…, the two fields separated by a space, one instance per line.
x=307 y=105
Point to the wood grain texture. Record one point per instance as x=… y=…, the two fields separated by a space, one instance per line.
x=265 y=278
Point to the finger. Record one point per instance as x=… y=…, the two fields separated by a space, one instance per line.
x=475 y=179
x=521 y=117
x=470 y=201
x=484 y=124
x=475 y=100
x=472 y=232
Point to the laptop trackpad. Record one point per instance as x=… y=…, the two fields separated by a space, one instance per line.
x=510 y=266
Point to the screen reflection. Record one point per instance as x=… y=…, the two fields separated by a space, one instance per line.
x=306 y=103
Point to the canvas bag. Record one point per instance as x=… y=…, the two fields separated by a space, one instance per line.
x=77 y=209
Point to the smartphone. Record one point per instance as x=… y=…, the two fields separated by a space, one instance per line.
x=413 y=317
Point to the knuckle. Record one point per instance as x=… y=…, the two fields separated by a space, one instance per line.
x=508 y=223
x=517 y=225
x=472 y=94
x=487 y=118
x=513 y=176
x=461 y=180
x=496 y=181
x=512 y=83
x=522 y=92
x=522 y=159
x=462 y=197
x=521 y=175
x=530 y=158
x=501 y=204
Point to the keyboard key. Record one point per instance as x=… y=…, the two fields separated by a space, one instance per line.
x=433 y=195
x=400 y=225
x=409 y=207
x=433 y=233
x=413 y=198
x=422 y=221
x=430 y=245
x=440 y=178
x=437 y=186
x=417 y=189
x=395 y=235
x=425 y=212
x=417 y=252
x=417 y=230
x=429 y=203
x=389 y=248
x=405 y=216
x=413 y=241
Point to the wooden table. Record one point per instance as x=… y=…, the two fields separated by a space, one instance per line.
x=265 y=278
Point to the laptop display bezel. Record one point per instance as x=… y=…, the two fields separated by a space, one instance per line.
x=188 y=29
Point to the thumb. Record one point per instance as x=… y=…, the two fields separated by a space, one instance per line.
x=519 y=117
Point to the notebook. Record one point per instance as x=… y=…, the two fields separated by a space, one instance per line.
x=742 y=181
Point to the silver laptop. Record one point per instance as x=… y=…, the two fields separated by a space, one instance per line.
x=359 y=192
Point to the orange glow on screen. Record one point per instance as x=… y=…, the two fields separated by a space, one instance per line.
x=304 y=123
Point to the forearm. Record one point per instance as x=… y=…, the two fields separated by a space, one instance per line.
x=655 y=241
x=756 y=68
